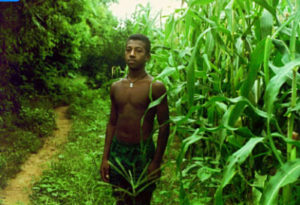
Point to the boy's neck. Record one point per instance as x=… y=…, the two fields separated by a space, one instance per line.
x=133 y=74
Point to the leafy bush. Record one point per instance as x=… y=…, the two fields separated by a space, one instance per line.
x=37 y=120
x=63 y=91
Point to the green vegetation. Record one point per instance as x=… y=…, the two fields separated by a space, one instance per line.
x=23 y=133
x=43 y=44
x=232 y=73
x=75 y=178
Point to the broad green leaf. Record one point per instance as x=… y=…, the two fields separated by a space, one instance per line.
x=245 y=132
x=188 y=22
x=185 y=145
x=157 y=101
x=166 y=72
x=266 y=24
x=151 y=105
x=275 y=3
x=169 y=26
x=289 y=75
x=265 y=5
x=276 y=82
x=256 y=60
x=267 y=53
x=287 y=174
x=257 y=187
x=283 y=26
x=235 y=111
x=234 y=160
x=209 y=44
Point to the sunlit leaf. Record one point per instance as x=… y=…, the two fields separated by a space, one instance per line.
x=287 y=174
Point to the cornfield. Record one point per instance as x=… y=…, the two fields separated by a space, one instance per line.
x=231 y=68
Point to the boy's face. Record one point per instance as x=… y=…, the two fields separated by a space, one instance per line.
x=136 y=55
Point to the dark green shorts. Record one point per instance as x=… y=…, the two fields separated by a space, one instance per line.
x=129 y=164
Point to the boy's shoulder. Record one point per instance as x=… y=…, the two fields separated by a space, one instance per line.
x=117 y=83
x=158 y=88
x=157 y=84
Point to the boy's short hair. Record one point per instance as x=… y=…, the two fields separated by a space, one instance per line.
x=143 y=38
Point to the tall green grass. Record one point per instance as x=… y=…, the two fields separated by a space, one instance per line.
x=231 y=69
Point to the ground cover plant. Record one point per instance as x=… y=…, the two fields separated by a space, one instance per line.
x=21 y=134
x=75 y=178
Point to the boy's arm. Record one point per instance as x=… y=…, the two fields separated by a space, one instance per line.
x=162 y=112
x=110 y=129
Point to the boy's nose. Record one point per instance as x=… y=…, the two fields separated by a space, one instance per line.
x=132 y=52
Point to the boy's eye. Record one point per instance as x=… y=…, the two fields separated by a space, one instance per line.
x=138 y=50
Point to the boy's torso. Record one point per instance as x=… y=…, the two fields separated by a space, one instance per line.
x=131 y=104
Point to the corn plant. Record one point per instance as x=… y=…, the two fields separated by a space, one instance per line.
x=231 y=69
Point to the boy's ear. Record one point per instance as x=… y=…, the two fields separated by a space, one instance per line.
x=148 y=57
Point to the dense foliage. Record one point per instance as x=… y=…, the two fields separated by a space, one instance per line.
x=231 y=68
x=42 y=42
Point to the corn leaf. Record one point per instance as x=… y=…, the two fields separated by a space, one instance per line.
x=267 y=53
x=188 y=22
x=191 y=70
x=276 y=82
x=287 y=174
x=236 y=110
x=256 y=60
x=266 y=24
x=231 y=166
x=166 y=72
x=185 y=145
x=157 y=101
x=265 y=5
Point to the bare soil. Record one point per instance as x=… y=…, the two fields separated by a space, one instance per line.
x=19 y=188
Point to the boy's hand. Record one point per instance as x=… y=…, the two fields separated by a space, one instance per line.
x=104 y=170
x=154 y=170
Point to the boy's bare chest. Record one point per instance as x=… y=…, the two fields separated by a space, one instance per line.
x=137 y=96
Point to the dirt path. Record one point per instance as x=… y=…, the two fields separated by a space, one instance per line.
x=18 y=189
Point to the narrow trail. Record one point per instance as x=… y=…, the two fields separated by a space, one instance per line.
x=19 y=188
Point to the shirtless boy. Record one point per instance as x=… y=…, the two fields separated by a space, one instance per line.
x=127 y=141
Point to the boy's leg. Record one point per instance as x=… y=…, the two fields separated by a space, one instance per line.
x=122 y=198
x=144 y=198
